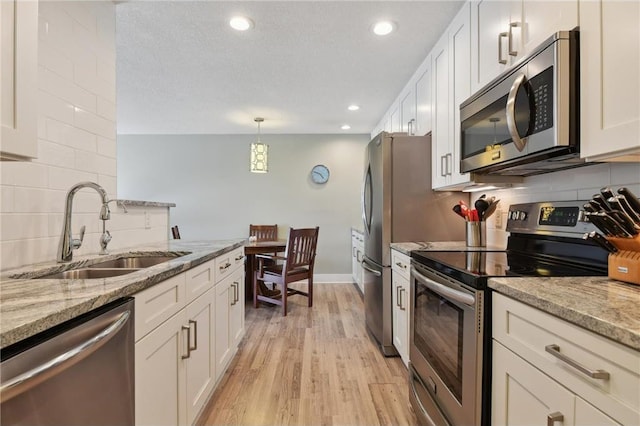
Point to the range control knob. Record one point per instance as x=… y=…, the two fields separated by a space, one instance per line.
x=522 y=215
x=517 y=215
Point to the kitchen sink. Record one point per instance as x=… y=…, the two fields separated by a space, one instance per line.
x=90 y=273
x=133 y=262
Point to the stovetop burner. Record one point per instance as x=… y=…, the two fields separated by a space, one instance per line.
x=545 y=241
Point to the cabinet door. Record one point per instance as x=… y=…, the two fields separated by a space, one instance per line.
x=200 y=364
x=160 y=381
x=18 y=79
x=400 y=320
x=522 y=394
x=224 y=297
x=460 y=72
x=490 y=19
x=408 y=109
x=394 y=120
x=540 y=19
x=423 y=102
x=588 y=415
x=236 y=309
x=609 y=79
x=440 y=136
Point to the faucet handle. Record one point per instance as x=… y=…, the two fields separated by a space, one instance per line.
x=76 y=243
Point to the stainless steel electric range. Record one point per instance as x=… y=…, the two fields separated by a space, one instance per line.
x=450 y=350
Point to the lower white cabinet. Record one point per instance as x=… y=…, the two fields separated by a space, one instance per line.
x=229 y=321
x=400 y=274
x=187 y=330
x=542 y=368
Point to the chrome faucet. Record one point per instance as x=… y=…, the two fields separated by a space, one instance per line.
x=67 y=242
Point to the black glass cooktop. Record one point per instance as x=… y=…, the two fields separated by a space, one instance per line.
x=475 y=267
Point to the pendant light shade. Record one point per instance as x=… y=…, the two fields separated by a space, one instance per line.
x=259 y=153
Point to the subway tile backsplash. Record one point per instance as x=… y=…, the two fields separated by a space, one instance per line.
x=76 y=142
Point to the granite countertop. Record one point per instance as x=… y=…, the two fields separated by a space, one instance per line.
x=604 y=306
x=407 y=248
x=31 y=305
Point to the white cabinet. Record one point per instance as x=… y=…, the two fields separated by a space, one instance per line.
x=18 y=79
x=181 y=329
x=451 y=86
x=408 y=109
x=357 y=251
x=400 y=275
x=423 y=99
x=505 y=31
x=610 y=80
x=229 y=322
x=541 y=365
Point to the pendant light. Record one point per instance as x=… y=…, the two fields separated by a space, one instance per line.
x=259 y=152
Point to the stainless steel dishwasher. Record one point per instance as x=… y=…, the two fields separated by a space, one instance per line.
x=78 y=373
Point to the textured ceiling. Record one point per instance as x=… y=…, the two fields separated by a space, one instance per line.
x=182 y=70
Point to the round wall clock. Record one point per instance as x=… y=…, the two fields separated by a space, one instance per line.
x=320 y=174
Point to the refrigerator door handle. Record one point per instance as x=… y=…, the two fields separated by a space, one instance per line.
x=368 y=268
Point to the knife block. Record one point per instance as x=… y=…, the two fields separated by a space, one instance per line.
x=624 y=265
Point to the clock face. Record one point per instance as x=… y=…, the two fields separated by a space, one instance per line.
x=320 y=174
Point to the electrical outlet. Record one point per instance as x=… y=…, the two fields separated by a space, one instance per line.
x=147 y=220
x=498 y=216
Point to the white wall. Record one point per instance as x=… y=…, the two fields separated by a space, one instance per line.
x=574 y=184
x=216 y=196
x=76 y=140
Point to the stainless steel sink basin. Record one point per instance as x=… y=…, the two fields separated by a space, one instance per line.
x=133 y=262
x=89 y=273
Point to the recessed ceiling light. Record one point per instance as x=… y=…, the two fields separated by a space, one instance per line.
x=353 y=107
x=345 y=127
x=383 y=28
x=241 y=23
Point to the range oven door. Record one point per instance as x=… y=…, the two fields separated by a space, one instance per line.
x=446 y=345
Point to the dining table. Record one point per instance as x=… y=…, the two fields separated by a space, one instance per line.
x=253 y=248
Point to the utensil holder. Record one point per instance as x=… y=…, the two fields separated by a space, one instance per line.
x=476 y=234
x=624 y=265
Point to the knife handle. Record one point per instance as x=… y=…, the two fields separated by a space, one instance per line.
x=599 y=200
x=632 y=200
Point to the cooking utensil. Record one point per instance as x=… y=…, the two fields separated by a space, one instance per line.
x=623 y=222
x=458 y=210
x=600 y=240
x=492 y=208
x=606 y=193
x=632 y=200
x=627 y=208
x=622 y=213
x=465 y=209
x=481 y=206
x=599 y=199
x=600 y=223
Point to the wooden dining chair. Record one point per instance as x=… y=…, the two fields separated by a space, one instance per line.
x=264 y=232
x=296 y=265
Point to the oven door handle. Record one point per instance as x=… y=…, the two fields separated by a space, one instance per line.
x=444 y=291
x=368 y=268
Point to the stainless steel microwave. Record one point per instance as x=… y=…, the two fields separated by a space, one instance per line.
x=526 y=121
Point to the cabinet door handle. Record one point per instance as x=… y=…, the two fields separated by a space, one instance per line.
x=449 y=169
x=195 y=335
x=401 y=265
x=398 y=296
x=410 y=126
x=443 y=172
x=188 y=329
x=358 y=258
x=402 y=307
x=500 y=37
x=236 y=292
x=510 y=43
x=594 y=374
x=353 y=252
x=555 y=417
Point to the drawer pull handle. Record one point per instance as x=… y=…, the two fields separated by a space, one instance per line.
x=554 y=417
x=222 y=268
x=401 y=265
x=239 y=257
x=594 y=374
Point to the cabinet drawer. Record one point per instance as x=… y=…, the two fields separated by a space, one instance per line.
x=400 y=263
x=200 y=279
x=158 y=303
x=527 y=331
x=228 y=262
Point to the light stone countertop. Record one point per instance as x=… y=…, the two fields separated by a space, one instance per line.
x=407 y=248
x=30 y=305
x=604 y=306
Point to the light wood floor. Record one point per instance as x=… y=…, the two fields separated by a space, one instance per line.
x=316 y=366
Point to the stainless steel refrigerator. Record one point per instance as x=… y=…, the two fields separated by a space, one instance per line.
x=398 y=205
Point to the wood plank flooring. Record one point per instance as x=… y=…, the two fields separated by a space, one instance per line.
x=316 y=366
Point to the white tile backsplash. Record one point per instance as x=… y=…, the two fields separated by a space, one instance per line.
x=77 y=142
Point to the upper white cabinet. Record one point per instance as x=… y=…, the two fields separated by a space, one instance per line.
x=408 y=110
x=451 y=86
x=18 y=79
x=610 y=80
x=423 y=99
x=505 y=31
